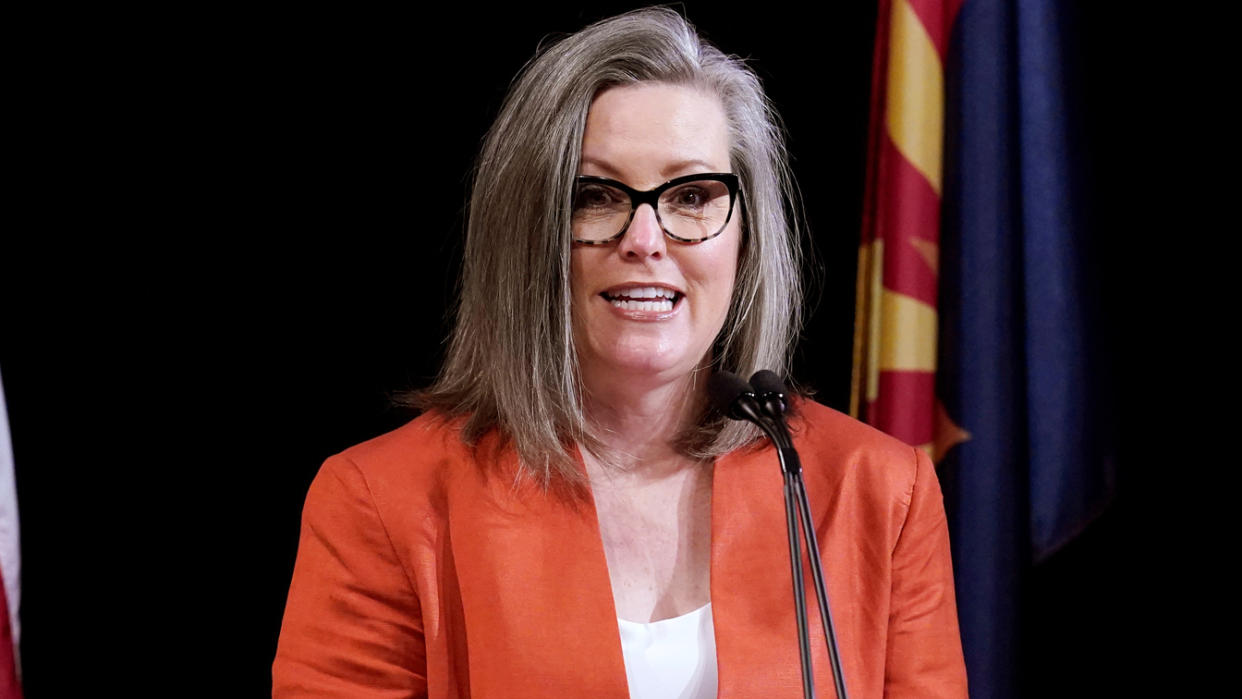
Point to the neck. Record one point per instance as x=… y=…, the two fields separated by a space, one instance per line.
x=636 y=425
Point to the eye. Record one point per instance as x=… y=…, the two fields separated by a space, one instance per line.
x=689 y=197
x=592 y=195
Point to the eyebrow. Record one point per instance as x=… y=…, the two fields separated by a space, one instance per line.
x=668 y=172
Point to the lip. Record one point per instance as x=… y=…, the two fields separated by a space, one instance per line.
x=619 y=288
x=634 y=313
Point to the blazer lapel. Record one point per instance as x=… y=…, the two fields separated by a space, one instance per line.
x=535 y=591
x=752 y=594
x=537 y=599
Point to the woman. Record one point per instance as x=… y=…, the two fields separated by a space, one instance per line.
x=568 y=518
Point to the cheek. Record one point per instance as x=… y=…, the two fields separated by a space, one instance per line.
x=724 y=266
x=578 y=275
x=725 y=299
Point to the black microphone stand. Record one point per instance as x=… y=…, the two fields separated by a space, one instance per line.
x=766 y=410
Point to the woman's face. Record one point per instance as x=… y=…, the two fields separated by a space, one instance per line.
x=644 y=135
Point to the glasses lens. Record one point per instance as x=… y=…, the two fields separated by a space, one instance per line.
x=695 y=210
x=600 y=211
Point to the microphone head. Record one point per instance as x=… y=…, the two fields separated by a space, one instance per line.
x=724 y=388
x=766 y=381
x=770 y=390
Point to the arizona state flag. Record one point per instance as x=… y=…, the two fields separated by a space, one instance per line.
x=977 y=333
x=898 y=265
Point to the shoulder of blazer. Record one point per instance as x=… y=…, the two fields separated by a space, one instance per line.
x=406 y=471
x=837 y=448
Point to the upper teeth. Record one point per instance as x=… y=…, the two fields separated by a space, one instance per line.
x=644 y=292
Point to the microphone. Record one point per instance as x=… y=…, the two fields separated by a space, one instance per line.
x=771 y=392
x=763 y=401
x=734 y=398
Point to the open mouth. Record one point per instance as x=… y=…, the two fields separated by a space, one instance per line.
x=643 y=298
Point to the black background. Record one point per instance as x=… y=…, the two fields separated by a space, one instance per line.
x=238 y=238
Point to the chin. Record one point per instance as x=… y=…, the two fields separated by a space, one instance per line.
x=642 y=362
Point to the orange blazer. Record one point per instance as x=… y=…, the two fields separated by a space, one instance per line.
x=423 y=570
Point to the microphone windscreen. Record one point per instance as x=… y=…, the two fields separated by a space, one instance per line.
x=723 y=388
x=766 y=381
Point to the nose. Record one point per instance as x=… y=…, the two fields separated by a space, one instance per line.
x=644 y=238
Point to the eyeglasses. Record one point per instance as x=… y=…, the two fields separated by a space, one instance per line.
x=689 y=209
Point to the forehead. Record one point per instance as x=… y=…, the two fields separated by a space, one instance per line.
x=655 y=131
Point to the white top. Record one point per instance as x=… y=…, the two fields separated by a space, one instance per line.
x=671 y=658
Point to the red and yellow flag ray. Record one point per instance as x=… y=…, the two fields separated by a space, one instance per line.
x=898 y=258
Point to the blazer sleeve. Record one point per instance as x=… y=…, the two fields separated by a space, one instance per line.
x=924 y=645
x=352 y=625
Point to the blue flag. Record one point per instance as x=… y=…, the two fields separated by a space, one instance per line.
x=1019 y=367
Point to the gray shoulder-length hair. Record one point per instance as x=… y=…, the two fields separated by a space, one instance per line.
x=511 y=363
